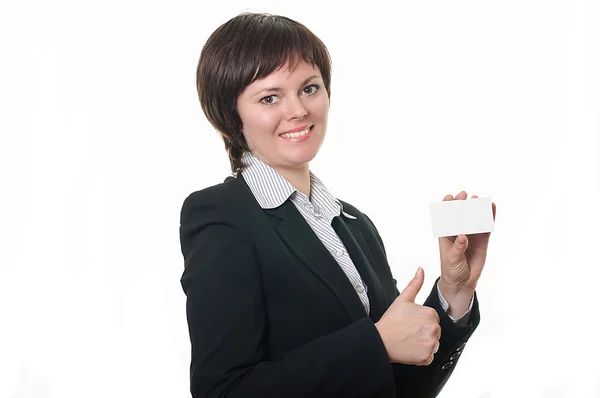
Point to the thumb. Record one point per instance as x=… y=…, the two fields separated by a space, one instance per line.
x=410 y=292
x=460 y=246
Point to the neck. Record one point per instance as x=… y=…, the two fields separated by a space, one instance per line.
x=299 y=178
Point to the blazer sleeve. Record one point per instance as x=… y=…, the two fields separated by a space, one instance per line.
x=428 y=381
x=226 y=318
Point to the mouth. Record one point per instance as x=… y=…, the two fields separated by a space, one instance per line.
x=297 y=134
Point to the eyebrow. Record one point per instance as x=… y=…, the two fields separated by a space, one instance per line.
x=278 y=89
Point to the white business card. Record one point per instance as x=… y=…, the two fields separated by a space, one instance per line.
x=470 y=216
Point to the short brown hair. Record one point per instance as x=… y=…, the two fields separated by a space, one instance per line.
x=249 y=47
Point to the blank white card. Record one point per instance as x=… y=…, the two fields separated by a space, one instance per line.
x=470 y=216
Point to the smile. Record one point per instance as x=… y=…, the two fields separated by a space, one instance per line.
x=297 y=134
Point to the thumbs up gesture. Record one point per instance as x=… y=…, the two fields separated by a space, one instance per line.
x=410 y=332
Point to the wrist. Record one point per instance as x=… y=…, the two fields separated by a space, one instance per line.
x=458 y=298
x=380 y=330
x=454 y=289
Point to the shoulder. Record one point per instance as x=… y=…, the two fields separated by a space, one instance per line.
x=223 y=198
x=361 y=218
x=350 y=209
x=362 y=222
x=217 y=214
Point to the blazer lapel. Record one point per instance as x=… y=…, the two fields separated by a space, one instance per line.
x=302 y=240
x=357 y=247
x=297 y=234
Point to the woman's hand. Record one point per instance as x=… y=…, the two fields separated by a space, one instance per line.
x=462 y=259
x=410 y=332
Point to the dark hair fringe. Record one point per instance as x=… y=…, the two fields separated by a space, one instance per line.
x=247 y=48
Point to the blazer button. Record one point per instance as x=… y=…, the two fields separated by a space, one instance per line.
x=453 y=357
x=447 y=365
x=460 y=347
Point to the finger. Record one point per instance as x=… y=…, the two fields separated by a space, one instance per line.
x=462 y=195
x=429 y=361
x=435 y=315
x=460 y=244
x=410 y=292
x=448 y=197
x=437 y=331
x=437 y=347
x=474 y=196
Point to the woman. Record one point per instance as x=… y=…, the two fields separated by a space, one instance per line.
x=289 y=292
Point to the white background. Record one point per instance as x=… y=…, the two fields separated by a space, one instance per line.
x=102 y=138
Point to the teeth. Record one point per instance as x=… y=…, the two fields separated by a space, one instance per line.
x=296 y=135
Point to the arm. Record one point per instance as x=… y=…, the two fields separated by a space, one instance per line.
x=427 y=381
x=226 y=318
x=453 y=313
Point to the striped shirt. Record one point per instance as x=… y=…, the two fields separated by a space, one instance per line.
x=271 y=190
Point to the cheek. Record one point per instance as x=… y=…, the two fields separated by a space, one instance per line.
x=322 y=108
x=269 y=120
x=257 y=123
x=261 y=120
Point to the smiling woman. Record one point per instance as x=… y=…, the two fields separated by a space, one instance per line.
x=285 y=117
x=289 y=291
x=237 y=59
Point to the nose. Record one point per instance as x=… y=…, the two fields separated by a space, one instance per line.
x=296 y=109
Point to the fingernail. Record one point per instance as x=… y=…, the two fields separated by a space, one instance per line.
x=418 y=273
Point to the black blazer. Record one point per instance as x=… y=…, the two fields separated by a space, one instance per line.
x=271 y=313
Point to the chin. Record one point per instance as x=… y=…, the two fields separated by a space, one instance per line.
x=303 y=158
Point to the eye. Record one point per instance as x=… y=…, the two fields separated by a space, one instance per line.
x=269 y=100
x=310 y=90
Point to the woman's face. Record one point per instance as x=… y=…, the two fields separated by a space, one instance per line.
x=284 y=116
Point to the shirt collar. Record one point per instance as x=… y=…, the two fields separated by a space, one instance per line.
x=271 y=189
